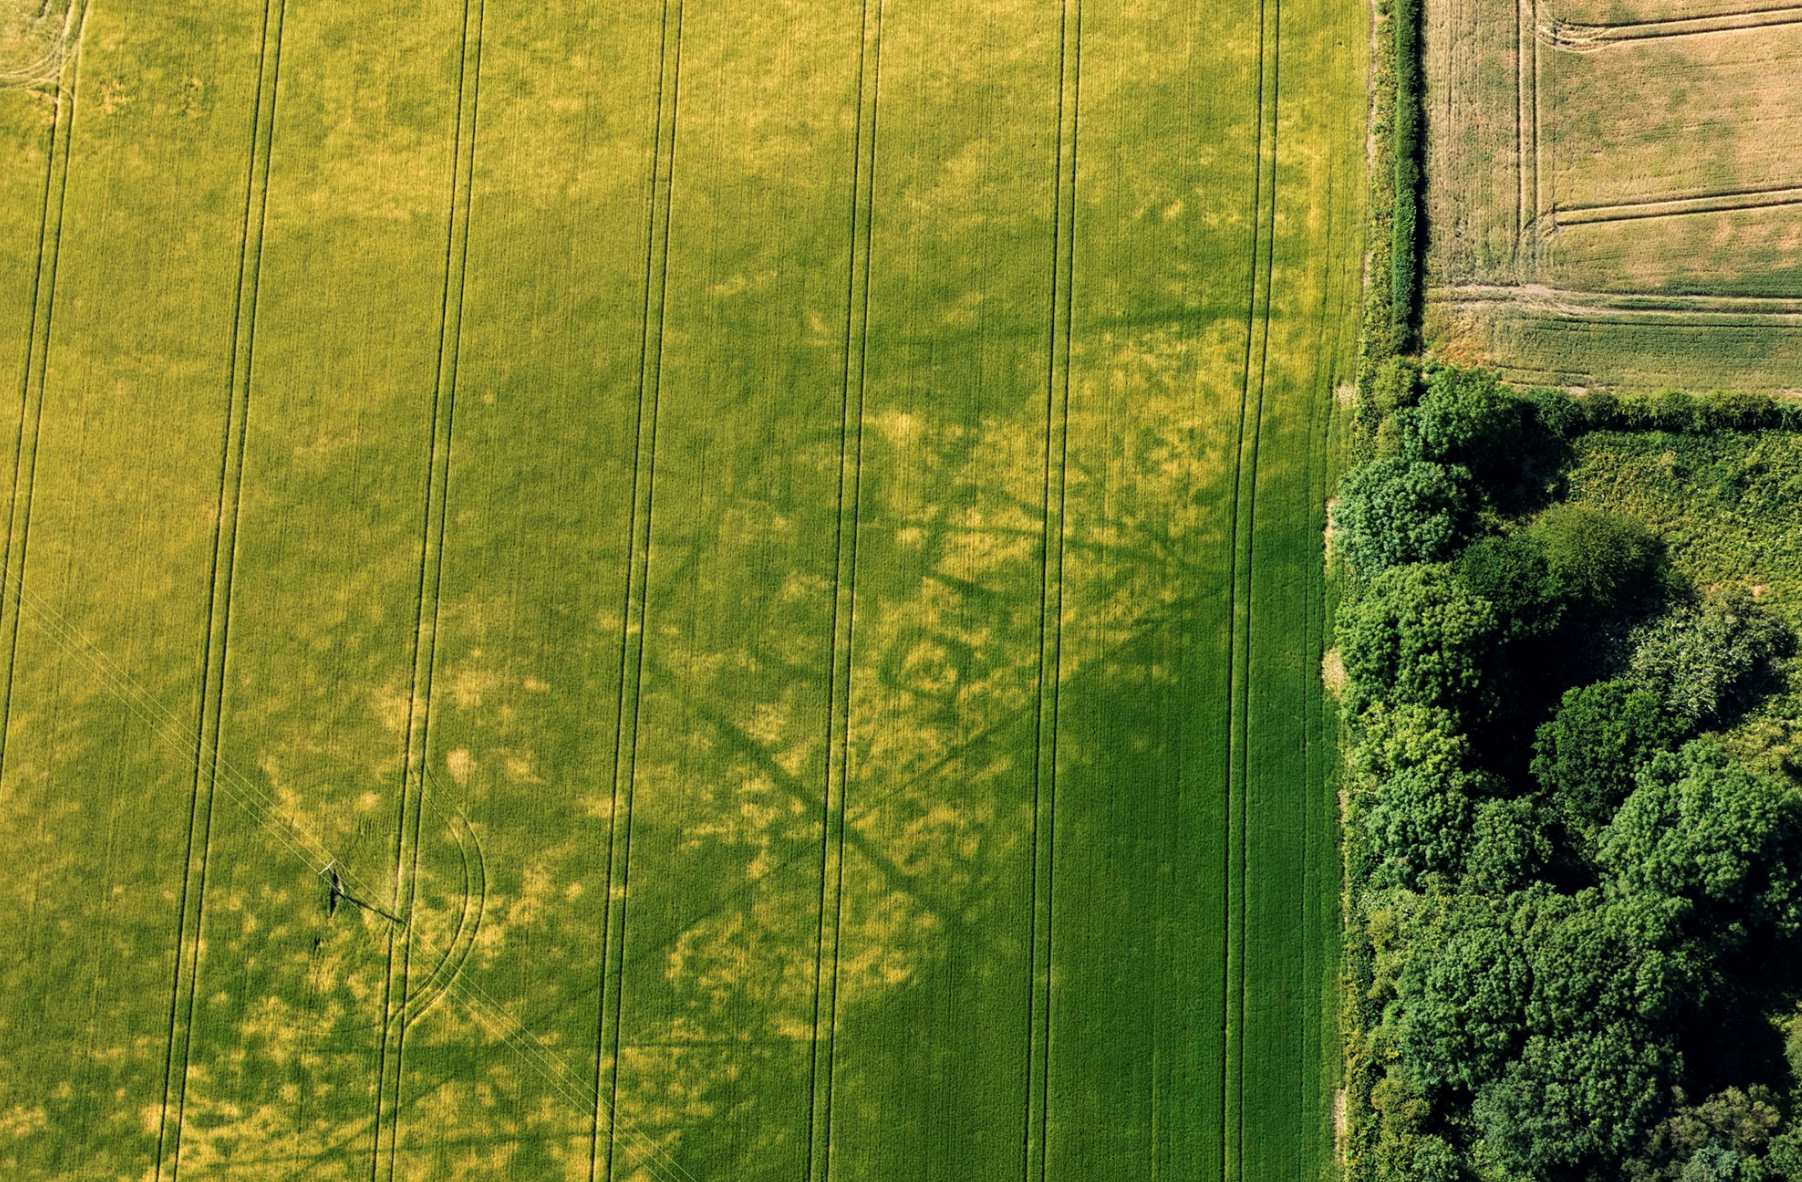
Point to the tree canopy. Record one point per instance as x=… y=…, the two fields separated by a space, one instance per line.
x=1575 y=916
x=1399 y=510
x=1701 y=658
x=1586 y=755
x=1418 y=637
x=1709 y=844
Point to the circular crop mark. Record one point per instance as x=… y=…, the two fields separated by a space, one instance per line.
x=359 y=932
x=36 y=37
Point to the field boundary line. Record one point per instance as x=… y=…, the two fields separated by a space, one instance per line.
x=659 y=200
x=216 y=649
x=1257 y=346
x=1320 y=884
x=397 y=978
x=817 y=1167
x=1035 y=1149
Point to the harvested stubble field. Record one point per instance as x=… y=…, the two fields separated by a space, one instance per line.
x=1613 y=190
x=774 y=548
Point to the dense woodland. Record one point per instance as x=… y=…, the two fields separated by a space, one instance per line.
x=1574 y=903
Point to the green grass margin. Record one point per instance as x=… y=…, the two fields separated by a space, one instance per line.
x=1391 y=290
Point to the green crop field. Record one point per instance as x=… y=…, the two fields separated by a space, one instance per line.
x=773 y=548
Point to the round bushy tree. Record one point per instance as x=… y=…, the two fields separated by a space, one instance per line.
x=1572 y=1104
x=1395 y=510
x=1556 y=413
x=1586 y=756
x=1419 y=828
x=1511 y=571
x=1463 y=998
x=1710 y=845
x=1509 y=847
x=1395 y=738
x=1464 y=416
x=1435 y=1161
x=1699 y=660
x=1595 y=560
x=1418 y=636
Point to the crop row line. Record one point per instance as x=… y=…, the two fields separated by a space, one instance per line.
x=37 y=356
x=659 y=198
x=196 y=859
x=1588 y=38
x=1035 y=1155
x=1728 y=201
x=1251 y=407
x=1477 y=293
x=1521 y=98
x=397 y=976
x=1627 y=307
x=1533 y=204
x=818 y=1159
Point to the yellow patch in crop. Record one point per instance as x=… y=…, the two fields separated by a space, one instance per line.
x=19 y=1121
x=390 y=706
x=470 y=684
x=1332 y=672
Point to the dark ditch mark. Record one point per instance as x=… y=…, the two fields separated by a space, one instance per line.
x=1051 y=601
